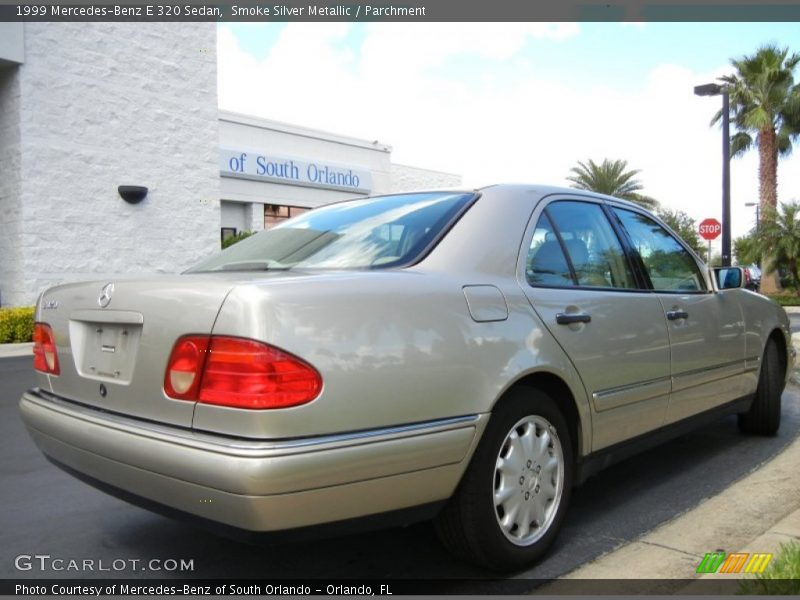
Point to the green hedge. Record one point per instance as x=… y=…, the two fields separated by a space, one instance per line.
x=16 y=324
x=785 y=299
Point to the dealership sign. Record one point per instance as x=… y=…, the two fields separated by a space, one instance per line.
x=264 y=166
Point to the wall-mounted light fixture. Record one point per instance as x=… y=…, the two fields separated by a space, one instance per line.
x=132 y=194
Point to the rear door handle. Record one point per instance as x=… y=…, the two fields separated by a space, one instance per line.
x=674 y=315
x=569 y=318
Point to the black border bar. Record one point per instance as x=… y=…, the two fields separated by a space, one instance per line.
x=349 y=587
x=403 y=10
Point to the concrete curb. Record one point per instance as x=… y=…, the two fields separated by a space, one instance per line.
x=755 y=514
x=11 y=350
x=792 y=310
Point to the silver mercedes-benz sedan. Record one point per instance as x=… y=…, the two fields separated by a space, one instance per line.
x=468 y=356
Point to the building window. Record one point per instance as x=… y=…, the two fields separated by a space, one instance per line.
x=275 y=213
x=226 y=233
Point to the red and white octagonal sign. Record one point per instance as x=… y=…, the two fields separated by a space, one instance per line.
x=710 y=229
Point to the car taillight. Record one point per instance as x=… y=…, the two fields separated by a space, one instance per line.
x=45 y=356
x=239 y=373
x=185 y=367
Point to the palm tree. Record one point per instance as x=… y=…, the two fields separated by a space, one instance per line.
x=779 y=235
x=610 y=177
x=765 y=103
x=746 y=249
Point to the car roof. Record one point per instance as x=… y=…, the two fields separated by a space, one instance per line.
x=541 y=190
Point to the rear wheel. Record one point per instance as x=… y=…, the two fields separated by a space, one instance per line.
x=512 y=499
x=764 y=416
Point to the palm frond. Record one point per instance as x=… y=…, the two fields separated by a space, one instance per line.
x=645 y=201
x=741 y=142
x=611 y=177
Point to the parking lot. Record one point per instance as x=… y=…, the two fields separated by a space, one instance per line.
x=47 y=512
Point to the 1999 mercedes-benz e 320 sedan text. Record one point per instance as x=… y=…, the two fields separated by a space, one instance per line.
x=470 y=355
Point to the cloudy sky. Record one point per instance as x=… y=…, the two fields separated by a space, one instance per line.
x=516 y=102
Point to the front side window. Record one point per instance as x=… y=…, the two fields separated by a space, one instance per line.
x=380 y=232
x=574 y=244
x=668 y=264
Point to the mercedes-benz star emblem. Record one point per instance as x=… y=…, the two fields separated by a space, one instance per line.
x=105 y=295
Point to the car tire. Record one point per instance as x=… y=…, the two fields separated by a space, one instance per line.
x=523 y=465
x=764 y=416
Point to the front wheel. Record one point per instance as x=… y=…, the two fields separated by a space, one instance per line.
x=509 y=506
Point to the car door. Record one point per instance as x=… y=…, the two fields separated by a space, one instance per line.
x=584 y=288
x=706 y=328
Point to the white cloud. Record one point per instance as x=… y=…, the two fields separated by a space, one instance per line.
x=392 y=47
x=501 y=122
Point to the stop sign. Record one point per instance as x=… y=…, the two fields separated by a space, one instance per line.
x=710 y=229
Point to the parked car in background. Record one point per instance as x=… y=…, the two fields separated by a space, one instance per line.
x=752 y=277
x=467 y=356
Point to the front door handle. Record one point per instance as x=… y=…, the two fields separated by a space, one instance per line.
x=674 y=315
x=569 y=318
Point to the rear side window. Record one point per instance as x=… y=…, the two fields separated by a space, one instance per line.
x=668 y=264
x=547 y=264
x=574 y=244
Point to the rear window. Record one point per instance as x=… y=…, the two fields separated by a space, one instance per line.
x=382 y=232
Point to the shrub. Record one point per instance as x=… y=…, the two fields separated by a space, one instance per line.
x=16 y=324
x=236 y=238
x=782 y=576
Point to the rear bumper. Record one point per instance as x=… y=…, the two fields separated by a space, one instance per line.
x=256 y=485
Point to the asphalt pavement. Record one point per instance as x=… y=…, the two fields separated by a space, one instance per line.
x=46 y=512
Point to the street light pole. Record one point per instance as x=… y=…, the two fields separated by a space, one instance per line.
x=726 y=179
x=714 y=89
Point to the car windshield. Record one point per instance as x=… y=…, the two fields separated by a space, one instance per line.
x=381 y=232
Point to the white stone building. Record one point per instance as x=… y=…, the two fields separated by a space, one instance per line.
x=88 y=107
x=271 y=170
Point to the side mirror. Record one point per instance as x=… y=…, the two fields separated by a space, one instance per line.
x=728 y=278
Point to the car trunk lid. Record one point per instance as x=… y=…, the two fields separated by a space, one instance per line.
x=114 y=339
